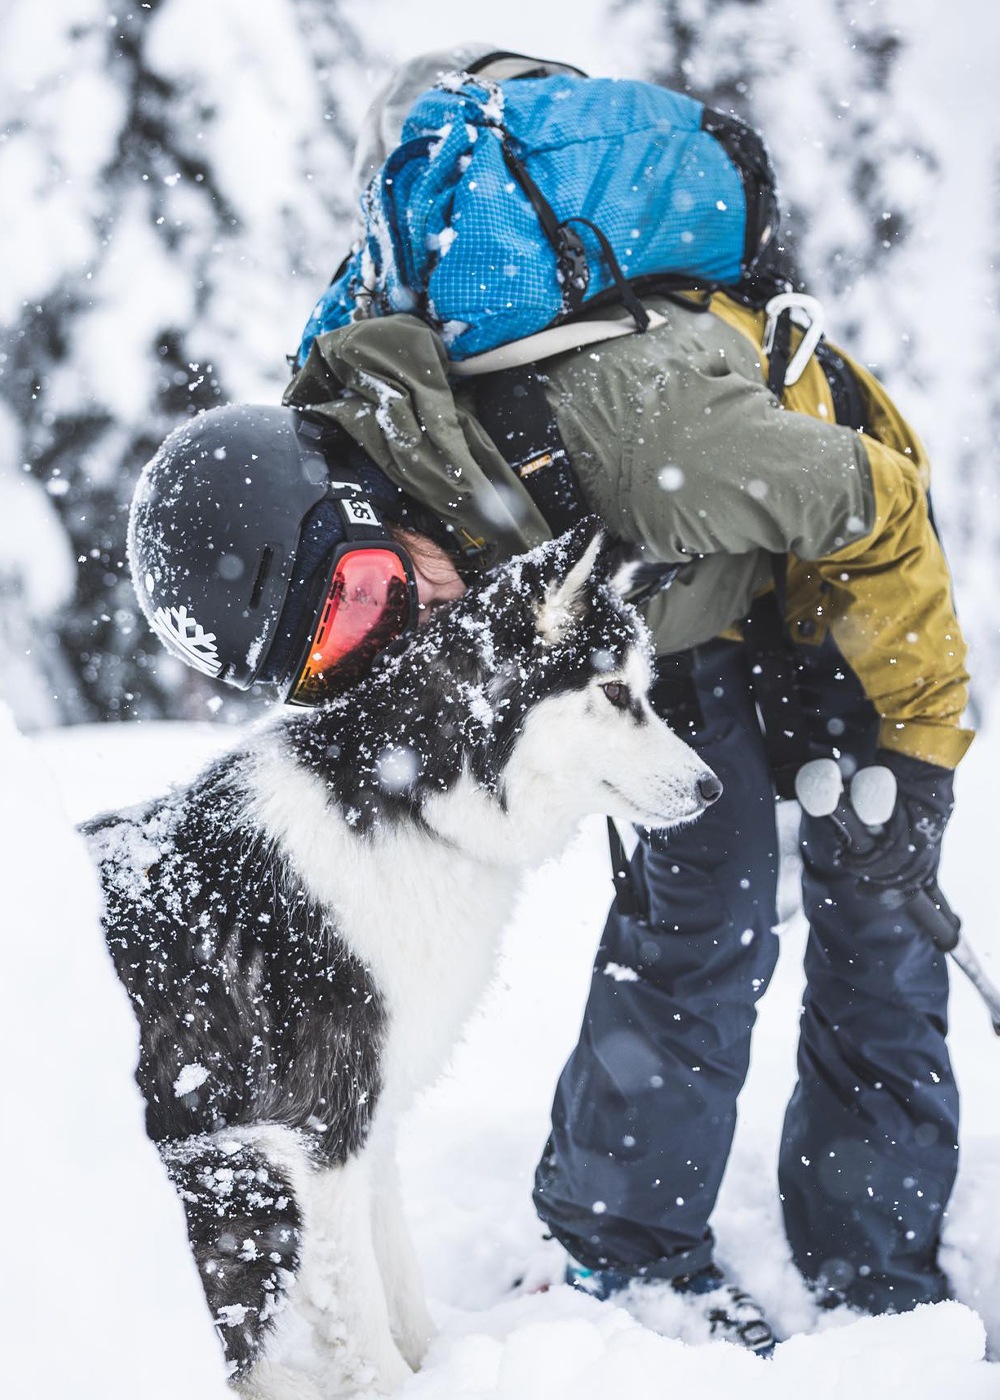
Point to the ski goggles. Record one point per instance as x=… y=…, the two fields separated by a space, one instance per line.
x=367 y=599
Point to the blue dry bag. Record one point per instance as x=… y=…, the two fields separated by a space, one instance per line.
x=509 y=207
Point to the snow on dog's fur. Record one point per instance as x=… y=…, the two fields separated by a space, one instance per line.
x=304 y=929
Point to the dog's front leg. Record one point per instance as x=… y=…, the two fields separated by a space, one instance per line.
x=341 y=1290
x=411 y=1323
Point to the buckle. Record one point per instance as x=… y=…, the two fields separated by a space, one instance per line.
x=756 y=1334
x=812 y=309
x=572 y=268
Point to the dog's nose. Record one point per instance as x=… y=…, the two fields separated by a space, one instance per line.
x=709 y=789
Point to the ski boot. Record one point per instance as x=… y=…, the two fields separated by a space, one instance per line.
x=695 y=1308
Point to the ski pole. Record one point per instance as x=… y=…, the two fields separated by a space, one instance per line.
x=819 y=788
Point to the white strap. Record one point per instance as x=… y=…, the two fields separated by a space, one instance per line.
x=553 y=341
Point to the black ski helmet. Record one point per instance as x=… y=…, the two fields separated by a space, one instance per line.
x=216 y=526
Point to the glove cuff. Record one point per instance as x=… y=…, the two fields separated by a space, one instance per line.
x=923 y=788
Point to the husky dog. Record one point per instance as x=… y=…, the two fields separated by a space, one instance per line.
x=304 y=929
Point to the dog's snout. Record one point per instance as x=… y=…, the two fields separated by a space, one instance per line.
x=709 y=789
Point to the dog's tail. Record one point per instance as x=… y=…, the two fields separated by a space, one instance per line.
x=243 y=1191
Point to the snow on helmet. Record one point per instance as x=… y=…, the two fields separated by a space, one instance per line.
x=216 y=525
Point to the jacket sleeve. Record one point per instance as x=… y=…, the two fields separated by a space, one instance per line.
x=731 y=471
x=889 y=608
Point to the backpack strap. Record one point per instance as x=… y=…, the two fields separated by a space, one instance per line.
x=780 y=353
x=512 y=407
x=848 y=402
x=628 y=900
x=774 y=678
x=511 y=404
x=774 y=673
x=554 y=340
x=572 y=267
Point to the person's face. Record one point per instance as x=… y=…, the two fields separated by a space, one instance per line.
x=437 y=578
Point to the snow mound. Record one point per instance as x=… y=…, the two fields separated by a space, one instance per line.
x=563 y=1346
x=99 y=1284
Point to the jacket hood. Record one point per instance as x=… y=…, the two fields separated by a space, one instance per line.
x=385 y=381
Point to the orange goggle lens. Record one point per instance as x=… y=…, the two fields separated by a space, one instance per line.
x=367 y=606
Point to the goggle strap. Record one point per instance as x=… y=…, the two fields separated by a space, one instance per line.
x=362 y=522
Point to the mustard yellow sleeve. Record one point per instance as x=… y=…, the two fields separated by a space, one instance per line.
x=889 y=607
x=886 y=597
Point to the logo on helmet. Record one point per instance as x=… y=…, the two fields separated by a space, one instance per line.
x=179 y=630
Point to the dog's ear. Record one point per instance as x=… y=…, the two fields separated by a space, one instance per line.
x=621 y=563
x=632 y=573
x=565 y=599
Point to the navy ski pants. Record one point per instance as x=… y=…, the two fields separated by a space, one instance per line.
x=645 y=1109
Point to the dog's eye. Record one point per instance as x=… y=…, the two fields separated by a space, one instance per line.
x=618 y=693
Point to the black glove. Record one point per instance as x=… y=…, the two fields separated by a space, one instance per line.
x=906 y=851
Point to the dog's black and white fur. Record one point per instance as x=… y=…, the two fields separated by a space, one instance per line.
x=304 y=929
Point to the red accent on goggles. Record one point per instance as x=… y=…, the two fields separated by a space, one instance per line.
x=369 y=601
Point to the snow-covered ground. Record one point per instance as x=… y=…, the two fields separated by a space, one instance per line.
x=96 y=1269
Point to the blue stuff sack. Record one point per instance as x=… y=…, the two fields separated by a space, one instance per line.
x=509 y=207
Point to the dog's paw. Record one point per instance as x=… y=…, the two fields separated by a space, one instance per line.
x=344 y=1372
x=414 y=1338
x=391 y=1375
x=268 y=1381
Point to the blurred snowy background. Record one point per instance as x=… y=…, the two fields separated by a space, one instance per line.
x=176 y=190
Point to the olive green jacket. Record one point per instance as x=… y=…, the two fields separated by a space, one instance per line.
x=678 y=444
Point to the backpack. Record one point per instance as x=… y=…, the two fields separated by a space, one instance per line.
x=509 y=207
